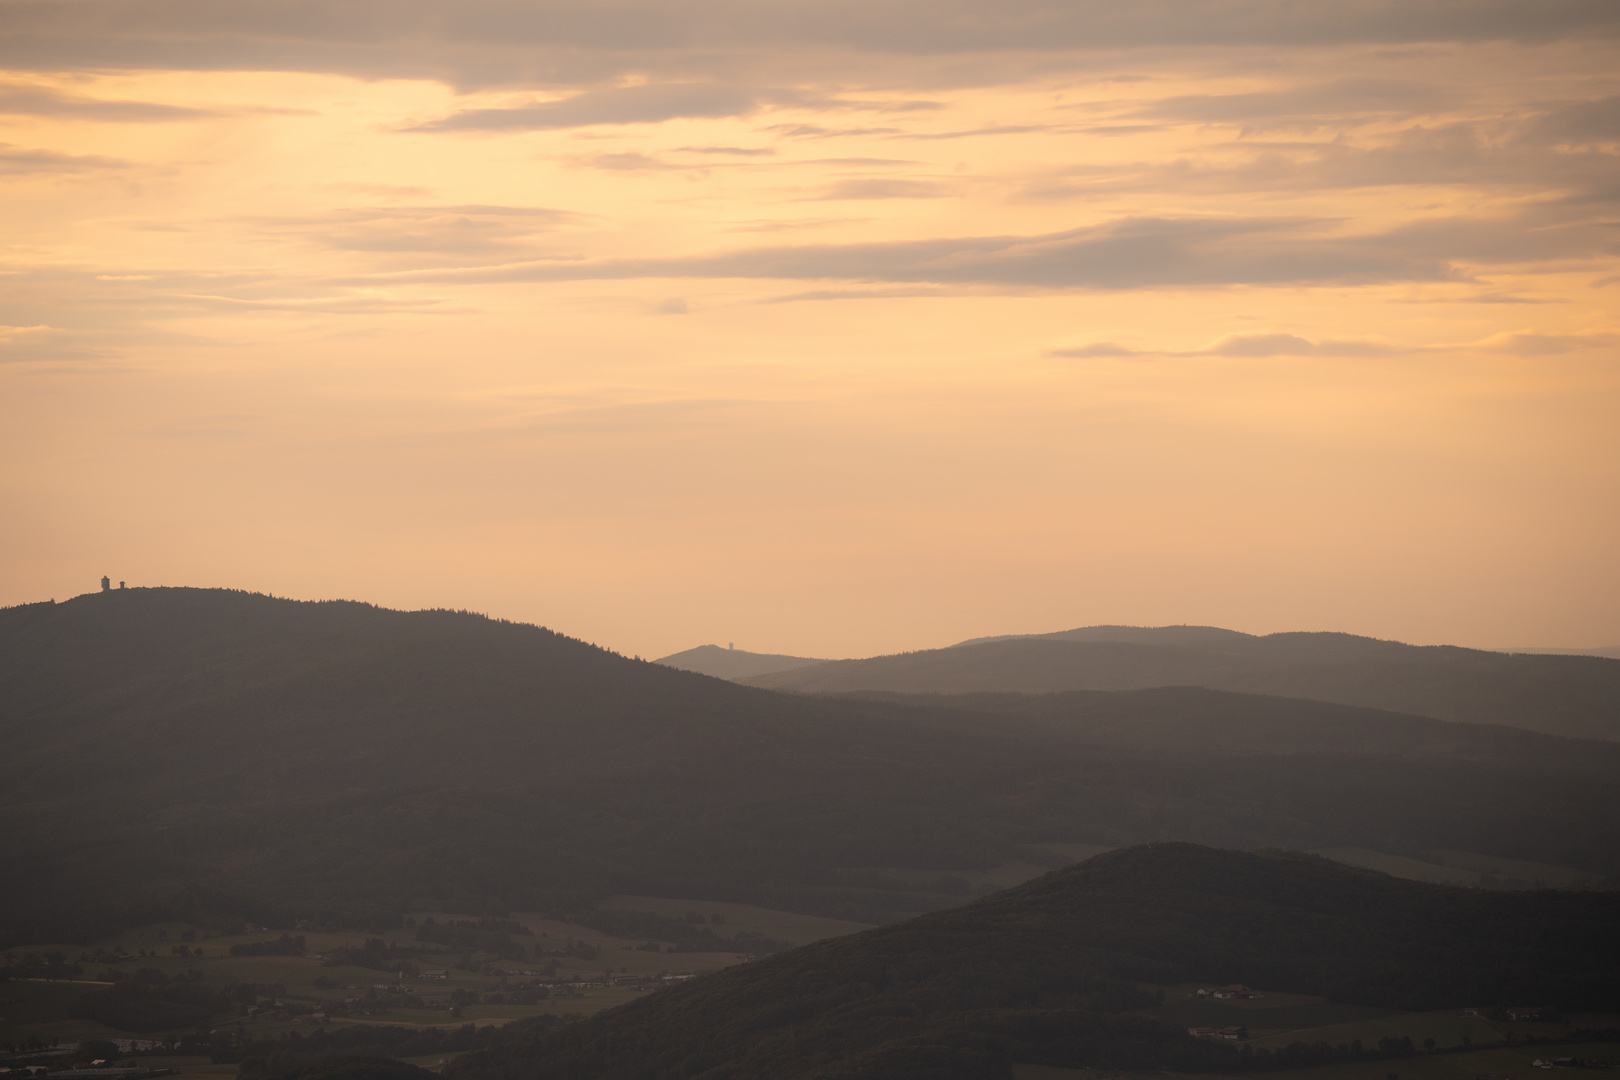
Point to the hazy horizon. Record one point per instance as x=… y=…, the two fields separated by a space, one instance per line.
x=827 y=329
x=766 y=649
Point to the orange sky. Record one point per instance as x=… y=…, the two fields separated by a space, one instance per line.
x=826 y=329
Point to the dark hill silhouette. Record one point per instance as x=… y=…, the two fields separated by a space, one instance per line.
x=1611 y=652
x=733 y=663
x=1186 y=718
x=1136 y=635
x=1575 y=696
x=171 y=753
x=1050 y=972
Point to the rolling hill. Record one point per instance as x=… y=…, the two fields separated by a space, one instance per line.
x=1555 y=694
x=733 y=663
x=1611 y=652
x=1061 y=970
x=190 y=753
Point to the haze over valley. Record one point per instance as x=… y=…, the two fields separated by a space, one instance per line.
x=538 y=537
x=1566 y=694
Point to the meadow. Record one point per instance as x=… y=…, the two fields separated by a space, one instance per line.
x=43 y=1011
x=536 y=968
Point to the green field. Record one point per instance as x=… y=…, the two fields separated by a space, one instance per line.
x=32 y=1007
x=44 y=1009
x=1272 y=1013
x=1448 y=1029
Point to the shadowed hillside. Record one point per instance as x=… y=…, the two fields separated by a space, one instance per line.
x=1051 y=972
x=183 y=752
x=1560 y=695
x=1612 y=652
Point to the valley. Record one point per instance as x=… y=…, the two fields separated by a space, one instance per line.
x=491 y=850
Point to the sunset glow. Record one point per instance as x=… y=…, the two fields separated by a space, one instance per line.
x=825 y=331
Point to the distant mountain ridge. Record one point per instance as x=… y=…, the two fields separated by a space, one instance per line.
x=1137 y=635
x=180 y=753
x=1215 y=635
x=1566 y=695
x=733 y=663
x=1611 y=652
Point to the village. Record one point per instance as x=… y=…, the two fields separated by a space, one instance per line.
x=1224 y=993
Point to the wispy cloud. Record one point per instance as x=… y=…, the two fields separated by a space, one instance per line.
x=16 y=160
x=884 y=188
x=465 y=231
x=974 y=133
x=1533 y=343
x=1579 y=124
x=649 y=104
x=1124 y=254
x=633 y=161
x=1097 y=349
x=43 y=342
x=1261 y=345
x=1252 y=345
x=822 y=131
x=1267 y=344
x=732 y=151
x=29 y=100
x=559 y=42
x=1338 y=99
x=1523 y=149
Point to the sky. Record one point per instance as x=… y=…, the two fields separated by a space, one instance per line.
x=824 y=328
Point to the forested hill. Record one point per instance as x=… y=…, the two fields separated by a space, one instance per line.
x=1049 y=973
x=186 y=753
x=733 y=663
x=1560 y=695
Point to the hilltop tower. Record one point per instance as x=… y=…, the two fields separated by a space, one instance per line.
x=106 y=583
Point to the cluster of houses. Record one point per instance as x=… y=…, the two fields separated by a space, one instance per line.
x=645 y=982
x=1236 y=990
x=1539 y=1012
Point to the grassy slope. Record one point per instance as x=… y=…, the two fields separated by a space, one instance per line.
x=1038 y=973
